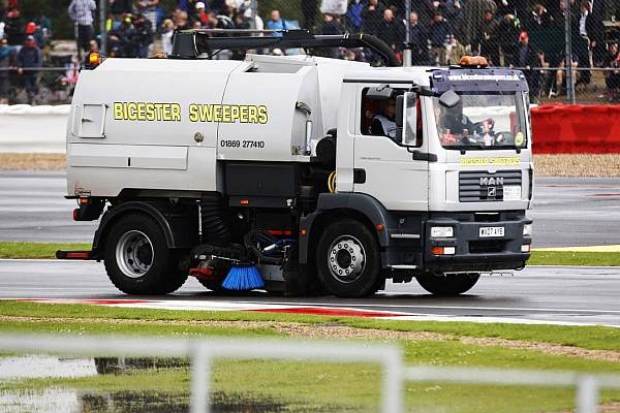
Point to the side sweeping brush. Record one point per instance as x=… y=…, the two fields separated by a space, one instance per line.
x=243 y=277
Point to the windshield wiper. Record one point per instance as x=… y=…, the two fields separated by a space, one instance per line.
x=480 y=146
x=462 y=148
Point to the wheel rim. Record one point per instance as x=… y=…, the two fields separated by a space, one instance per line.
x=134 y=254
x=346 y=259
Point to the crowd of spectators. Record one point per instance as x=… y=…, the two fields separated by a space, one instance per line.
x=21 y=41
x=514 y=33
x=133 y=25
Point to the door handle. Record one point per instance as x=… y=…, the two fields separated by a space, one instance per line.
x=359 y=176
x=424 y=156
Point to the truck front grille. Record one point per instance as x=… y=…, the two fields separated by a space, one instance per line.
x=482 y=186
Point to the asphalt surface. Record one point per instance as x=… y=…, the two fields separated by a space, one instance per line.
x=33 y=208
x=576 y=212
x=567 y=211
x=570 y=295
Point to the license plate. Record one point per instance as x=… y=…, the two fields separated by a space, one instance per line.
x=486 y=232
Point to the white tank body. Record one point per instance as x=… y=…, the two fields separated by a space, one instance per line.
x=164 y=124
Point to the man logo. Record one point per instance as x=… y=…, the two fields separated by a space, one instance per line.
x=491 y=192
x=490 y=180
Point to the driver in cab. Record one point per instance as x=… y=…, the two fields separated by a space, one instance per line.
x=384 y=122
x=458 y=129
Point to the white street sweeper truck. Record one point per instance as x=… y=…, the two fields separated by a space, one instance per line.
x=299 y=174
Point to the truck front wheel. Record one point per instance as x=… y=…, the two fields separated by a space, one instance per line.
x=348 y=260
x=137 y=258
x=448 y=284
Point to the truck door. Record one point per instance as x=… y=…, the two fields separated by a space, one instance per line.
x=394 y=174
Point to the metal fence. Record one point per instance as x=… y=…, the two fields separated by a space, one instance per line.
x=203 y=352
x=38 y=85
x=568 y=47
x=563 y=43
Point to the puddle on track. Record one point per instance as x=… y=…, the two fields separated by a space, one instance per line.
x=56 y=400
x=61 y=400
x=34 y=367
x=46 y=401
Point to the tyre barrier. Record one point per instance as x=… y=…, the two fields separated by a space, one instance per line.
x=35 y=110
x=33 y=129
x=570 y=129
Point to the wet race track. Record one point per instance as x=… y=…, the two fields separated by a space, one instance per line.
x=563 y=295
x=567 y=212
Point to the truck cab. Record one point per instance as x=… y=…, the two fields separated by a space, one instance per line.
x=453 y=177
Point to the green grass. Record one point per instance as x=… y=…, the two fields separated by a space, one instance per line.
x=587 y=337
x=52 y=311
x=150 y=329
x=355 y=386
x=574 y=258
x=36 y=250
x=449 y=352
x=326 y=387
x=93 y=319
x=322 y=386
x=48 y=250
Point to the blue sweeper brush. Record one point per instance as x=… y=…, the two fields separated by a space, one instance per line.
x=243 y=277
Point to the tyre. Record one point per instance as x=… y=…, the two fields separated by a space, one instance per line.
x=299 y=279
x=137 y=258
x=348 y=260
x=448 y=285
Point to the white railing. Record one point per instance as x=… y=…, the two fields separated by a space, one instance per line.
x=202 y=353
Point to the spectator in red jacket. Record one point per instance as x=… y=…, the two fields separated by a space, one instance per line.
x=28 y=60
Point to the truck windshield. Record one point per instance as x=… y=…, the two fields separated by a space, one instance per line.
x=482 y=121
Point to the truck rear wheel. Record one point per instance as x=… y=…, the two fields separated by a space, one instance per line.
x=348 y=260
x=137 y=258
x=449 y=284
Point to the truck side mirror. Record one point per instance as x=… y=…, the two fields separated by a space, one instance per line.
x=400 y=112
x=308 y=137
x=305 y=108
x=410 y=119
x=449 y=99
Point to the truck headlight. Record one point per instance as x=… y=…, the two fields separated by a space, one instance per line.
x=527 y=230
x=442 y=232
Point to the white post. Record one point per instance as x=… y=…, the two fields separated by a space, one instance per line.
x=407 y=52
x=254 y=8
x=568 y=54
x=587 y=395
x=201 y=376
x=102 y=27
x=392 y=395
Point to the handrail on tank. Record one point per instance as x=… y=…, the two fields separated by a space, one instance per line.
x=191 y=44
